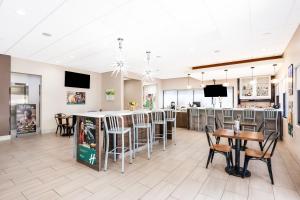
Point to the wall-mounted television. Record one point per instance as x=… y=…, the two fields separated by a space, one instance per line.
x=215 y=91
x=77 y=80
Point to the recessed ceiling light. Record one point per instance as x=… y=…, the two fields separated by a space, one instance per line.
x=46 y=34
x=158 y=56
x=21 y=12
x=216 y=51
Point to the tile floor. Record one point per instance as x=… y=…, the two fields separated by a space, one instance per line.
x=42 y=167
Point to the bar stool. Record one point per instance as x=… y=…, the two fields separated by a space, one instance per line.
x=158 y=117
x=171 y=117
x=141 y=120
x=228 y=119
x=211 y=118
x=270 y=115
x=195 y=119
x=114 y=125
x=248 y=123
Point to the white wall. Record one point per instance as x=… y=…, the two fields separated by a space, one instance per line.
x=53 y=94
x=133 y=91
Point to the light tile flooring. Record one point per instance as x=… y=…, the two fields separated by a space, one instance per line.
x=41 y=167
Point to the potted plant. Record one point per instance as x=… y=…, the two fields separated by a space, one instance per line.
x=132 y=105
x=110 y=94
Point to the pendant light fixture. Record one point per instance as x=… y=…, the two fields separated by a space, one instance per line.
x=253 y=81
x=274 y=80
x=120 y=65
x=147 y=76
x=226 y=84
x=202 y=85
x=188 y=83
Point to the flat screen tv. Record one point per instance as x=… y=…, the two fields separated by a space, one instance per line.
x=77 y=80
x=215 y=91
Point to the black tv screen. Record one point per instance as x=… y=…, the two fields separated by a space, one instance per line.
x=77 y=80
x=215 y=91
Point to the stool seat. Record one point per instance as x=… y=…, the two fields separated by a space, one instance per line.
x=170 y=119
x=119 y=130
x=158 y=122
x=142 y=125
x=248 y=124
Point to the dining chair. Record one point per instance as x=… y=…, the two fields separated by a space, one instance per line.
x=270 y=118
x=223 y=149
x=70 y=124
x=248 y=122
x=60 y=122
x=158 y=117
x=264 y=155
x=171 y=118
x=114 y=125
x=141 y=120
x=210 y=114
x=228 y=119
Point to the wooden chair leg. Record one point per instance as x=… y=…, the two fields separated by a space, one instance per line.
x=270 y=170
x=209 y=156
x=247 y=159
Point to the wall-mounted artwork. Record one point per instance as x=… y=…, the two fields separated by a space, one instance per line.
x=110 y=94
x=26 y=118
x=290 y=79
x=75 y=98
x=149 y=96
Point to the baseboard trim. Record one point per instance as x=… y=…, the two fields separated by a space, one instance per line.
x=5 y=137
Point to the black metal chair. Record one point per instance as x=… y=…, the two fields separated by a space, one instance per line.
x=59 y=118
x=264 y=155
x=217 y=148
x=70 y=125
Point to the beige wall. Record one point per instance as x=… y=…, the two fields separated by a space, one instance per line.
x=181 y=83
x=116 y=83
x=53 y=94
x=133 y=91
x=291 y=56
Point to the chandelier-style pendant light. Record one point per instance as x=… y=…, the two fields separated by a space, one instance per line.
x=202 y=85
x=120 y=66
x=226 y=84
x=148 y=76
x=274 y=80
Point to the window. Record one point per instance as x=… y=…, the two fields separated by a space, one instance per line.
x=185 y=97
x=169 y=96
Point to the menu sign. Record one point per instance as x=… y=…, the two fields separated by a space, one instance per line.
x=88 y=142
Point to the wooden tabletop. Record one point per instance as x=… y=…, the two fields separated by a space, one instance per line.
x=244 y=135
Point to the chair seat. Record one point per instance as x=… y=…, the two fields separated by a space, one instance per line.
x=221 y=147
x=170 y=119
x=229 y=122
x=142 y=125
x=159 y=122
x=256 y=153
x=119 y=130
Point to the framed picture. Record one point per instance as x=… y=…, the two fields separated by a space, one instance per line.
x=88 y=142
x=26 y=118
x=290 y=79
x=75 y=98
x=110 y=94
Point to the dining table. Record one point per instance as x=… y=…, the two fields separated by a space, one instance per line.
x=236 y=169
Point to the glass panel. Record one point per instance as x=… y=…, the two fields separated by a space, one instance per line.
x=262 y=86
x=170 y=96
x=246 y=87
x=185 y=97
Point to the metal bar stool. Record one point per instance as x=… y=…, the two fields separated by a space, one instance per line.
x=211 y=118
x=195 y=119
x=228 y=119
x=158 y=117
x=114 y=125
x=248 y=122
x=270 y=115
x=141 y=120
x=171 y=117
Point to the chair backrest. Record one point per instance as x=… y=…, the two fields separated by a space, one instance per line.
x=270 y=143
x=270 y=114
x=170 y=114
x=208 y=132
x=69 y=120
x=228 y=112
x=113 y=123
x=249 y=114
x=210 y=112
x=140 y=118
x=158 y=115
x=58 y=118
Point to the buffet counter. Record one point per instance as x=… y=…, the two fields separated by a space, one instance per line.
x=197 y=118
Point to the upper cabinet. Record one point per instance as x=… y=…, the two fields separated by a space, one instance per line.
x=258 y=88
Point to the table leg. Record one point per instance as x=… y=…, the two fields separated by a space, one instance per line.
x=237 y=170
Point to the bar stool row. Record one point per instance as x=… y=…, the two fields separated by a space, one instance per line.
x=114 y=126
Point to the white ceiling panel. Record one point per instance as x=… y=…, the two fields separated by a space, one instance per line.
x=183 y=33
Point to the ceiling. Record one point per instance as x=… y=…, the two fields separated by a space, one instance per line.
x=180 y=35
